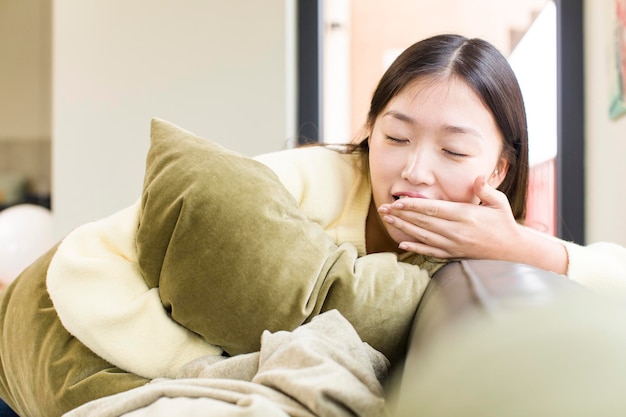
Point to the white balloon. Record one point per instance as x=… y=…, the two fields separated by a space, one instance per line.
x=25 y=235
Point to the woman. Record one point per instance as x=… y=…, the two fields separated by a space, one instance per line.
x=446 y=155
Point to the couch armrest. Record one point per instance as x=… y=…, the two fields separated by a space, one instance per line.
x=500 y=339
x=464 y=289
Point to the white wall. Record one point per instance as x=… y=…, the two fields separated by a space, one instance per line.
x=222 y=69
x=605 y=139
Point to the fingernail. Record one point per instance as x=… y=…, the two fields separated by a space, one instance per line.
x=384 y=209
x=388 y=219
x=398 y=205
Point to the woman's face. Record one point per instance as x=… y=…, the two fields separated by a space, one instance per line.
x=431 y=141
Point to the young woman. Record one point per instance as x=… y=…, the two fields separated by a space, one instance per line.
x=443 y=169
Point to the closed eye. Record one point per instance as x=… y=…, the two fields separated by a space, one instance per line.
x=395 y=140
x=454 y=154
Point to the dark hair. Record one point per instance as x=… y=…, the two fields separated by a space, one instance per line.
x=489 y=74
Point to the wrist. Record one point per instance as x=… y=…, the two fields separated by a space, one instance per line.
x=541 y=250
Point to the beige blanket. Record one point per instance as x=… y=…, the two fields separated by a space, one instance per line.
x=320 y=369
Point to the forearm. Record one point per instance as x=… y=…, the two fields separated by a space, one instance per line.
x=600 y=266
x=537 y=249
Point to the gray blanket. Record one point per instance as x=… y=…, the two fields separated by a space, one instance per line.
x=320 y=369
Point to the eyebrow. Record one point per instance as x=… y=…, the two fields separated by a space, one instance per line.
x=401 y=116
x=449 y=128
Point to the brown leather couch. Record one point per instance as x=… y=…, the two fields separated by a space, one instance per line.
x=501 y=339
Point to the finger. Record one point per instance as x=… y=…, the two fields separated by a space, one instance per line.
x=415 y=223
x=423 y=249
x=427 y=233
x=446 y=210
x=489 y=196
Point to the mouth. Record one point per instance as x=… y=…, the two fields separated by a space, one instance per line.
x=402 y=195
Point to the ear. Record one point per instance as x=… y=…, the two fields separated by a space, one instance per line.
x=499 y=173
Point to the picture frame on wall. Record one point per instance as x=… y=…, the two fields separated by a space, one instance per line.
x=618 y=77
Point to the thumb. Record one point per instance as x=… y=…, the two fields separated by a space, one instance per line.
x=488 y=195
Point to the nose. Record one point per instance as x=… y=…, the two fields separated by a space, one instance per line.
x=418 y=168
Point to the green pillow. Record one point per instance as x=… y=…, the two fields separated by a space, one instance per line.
x=232 y=254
